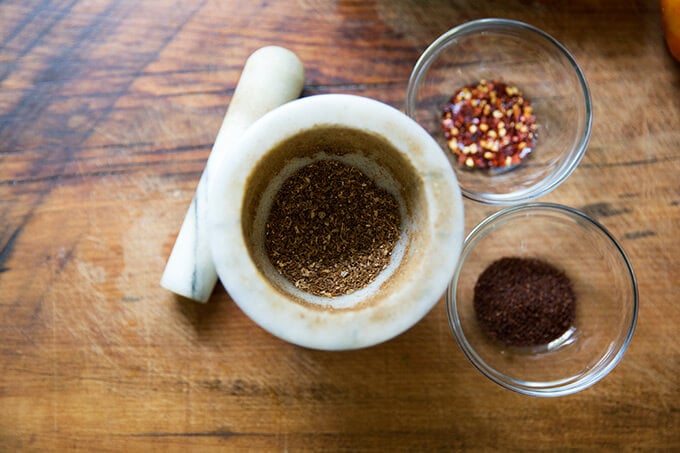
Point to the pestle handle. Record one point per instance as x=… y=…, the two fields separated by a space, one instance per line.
x=271 y=77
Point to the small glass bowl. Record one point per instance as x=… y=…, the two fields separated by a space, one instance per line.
x=602 y=279
x=528 y=59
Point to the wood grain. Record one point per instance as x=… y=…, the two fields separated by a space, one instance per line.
x=108 y=110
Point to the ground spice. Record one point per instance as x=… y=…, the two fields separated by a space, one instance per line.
x=489 y=125
x=331 y=230
x=524 y=301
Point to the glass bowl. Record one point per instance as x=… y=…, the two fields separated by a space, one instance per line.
x=601 y=278
x=537 y=65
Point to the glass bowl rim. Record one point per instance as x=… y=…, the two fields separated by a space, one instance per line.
x=553 y=388
x=576 y=153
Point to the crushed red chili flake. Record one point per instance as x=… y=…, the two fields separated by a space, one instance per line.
x=489 y=125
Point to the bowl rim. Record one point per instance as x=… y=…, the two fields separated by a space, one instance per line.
x=559 y=387
x=566 y=168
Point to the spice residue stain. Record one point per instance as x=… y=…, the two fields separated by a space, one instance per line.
x=524 y=301
x=331 y=230
x=597 y=210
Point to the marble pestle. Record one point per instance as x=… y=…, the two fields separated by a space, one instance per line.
x=271 y=77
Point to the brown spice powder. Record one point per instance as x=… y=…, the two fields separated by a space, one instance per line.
x=331 y=230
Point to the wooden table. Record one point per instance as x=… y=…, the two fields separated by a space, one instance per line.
x=108 y=110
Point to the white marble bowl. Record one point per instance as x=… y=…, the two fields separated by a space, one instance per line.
x=399 y=156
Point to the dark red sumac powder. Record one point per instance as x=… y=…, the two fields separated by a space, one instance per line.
x=524 y=301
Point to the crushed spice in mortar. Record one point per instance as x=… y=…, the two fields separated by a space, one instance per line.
x=331 y=230
x=524 y=301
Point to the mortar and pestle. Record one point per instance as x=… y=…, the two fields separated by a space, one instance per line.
x=229 y=215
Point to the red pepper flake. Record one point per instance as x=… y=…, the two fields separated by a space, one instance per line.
x=489 y=125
